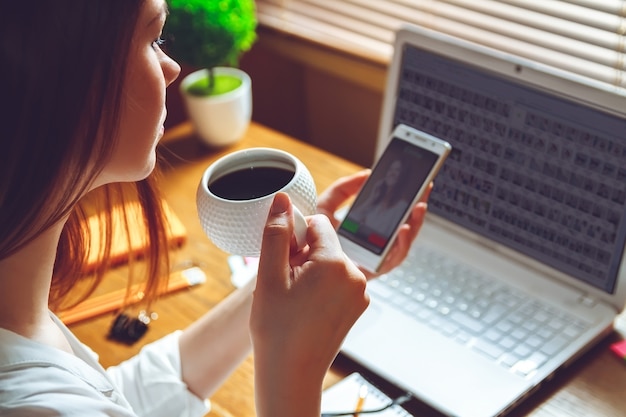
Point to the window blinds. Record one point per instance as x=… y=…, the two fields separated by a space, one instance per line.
x=587 y=37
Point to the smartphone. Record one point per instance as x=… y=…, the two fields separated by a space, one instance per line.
x=408 y=164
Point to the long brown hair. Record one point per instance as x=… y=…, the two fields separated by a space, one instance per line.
x=61 y=79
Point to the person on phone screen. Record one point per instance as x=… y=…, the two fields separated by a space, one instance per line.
x=83 y=97
x=386 y=201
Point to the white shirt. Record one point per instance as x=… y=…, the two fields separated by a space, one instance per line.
x=38 y=380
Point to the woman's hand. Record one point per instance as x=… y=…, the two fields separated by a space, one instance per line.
x=345 y=188
x=304 y=304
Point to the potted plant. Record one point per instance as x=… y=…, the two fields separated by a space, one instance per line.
x=210 y=36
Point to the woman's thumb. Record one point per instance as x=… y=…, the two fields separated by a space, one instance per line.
x=274 y=260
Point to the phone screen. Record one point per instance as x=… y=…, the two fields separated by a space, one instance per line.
x=387 y=194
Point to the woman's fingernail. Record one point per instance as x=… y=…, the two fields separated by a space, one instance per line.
x=280 y=204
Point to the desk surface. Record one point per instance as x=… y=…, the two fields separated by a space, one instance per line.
x=595 y=385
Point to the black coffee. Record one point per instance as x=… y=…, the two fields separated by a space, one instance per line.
x=250 y=183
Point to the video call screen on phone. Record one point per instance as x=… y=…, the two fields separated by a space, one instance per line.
x=380 y=206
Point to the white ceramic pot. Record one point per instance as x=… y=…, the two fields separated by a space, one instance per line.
x=222 y=119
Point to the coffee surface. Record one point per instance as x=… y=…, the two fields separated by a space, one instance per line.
x=250 y=183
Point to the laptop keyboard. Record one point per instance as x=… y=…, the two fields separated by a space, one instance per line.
x=494 y=319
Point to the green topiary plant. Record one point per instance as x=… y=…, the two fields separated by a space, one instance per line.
x=210 y=33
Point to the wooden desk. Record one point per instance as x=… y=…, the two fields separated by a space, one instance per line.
x=593 y=386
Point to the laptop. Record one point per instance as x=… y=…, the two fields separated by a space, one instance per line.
x=519 y=267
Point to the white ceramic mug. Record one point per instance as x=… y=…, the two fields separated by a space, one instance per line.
x=235 y=223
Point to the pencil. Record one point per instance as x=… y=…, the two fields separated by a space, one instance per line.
x=113 y=301
x=361 y=400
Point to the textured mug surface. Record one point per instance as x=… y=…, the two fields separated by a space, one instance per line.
x=236 y=226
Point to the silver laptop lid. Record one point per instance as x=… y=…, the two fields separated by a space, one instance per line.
x=538 y=170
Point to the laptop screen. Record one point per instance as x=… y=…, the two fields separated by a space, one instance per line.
x=534 y=171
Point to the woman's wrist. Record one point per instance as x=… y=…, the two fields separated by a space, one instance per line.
x=284 y=390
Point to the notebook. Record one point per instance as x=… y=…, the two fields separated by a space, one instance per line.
x=125 y=246
x=519 y=267
x=344 y=397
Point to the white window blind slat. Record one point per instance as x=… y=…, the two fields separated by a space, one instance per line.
x=593 y=15
x=511 y=29
x=324 y=33
x=609 y=6
x=343 y=15
x=548 y=23
x=587 y=37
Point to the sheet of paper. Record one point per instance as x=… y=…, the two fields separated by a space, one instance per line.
x=242 y=269
x=344 y=395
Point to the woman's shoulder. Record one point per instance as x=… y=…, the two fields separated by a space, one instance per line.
x=41 y=380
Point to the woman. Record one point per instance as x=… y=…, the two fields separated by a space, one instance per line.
x=83 y=92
